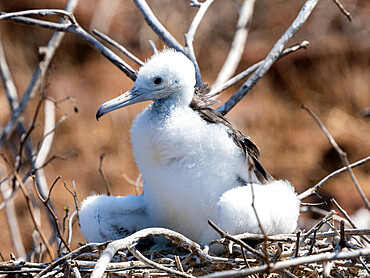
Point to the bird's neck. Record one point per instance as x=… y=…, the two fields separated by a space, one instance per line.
x=164 y=106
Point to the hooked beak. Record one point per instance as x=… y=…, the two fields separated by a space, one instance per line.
x=130 y=97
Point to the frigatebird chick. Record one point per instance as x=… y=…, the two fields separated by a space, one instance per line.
x=195 y=165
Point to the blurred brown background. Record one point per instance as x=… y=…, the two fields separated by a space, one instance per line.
x=332 y=77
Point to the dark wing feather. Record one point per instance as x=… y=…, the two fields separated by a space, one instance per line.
x=201 y=103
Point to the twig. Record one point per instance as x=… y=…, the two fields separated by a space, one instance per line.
x=70 y=227
x=153 y=46
x=297 y=244
x=39 y=160
x=143 y=259
x=343 y=10
x=179 y=264
x=177 y=238
x=189 y=38
x=217 y=90
x=38 y=75
x=73 y=254
x=271 y=57
x=32 y=212
x=80 y=32
x=237 y=46
x=61 y=157
x=236 y=240
x=118 y=46
x=12 y=219
x=324 y=257
x=74 y=195
x=106 y=184
x=345 y=214
x=342 y=155
x=41 y=12
x=157 y=27
x=342 y=242
x=317 y=186
x=76 y=272
x=137 y=183
x=9 y=87
x=51 y=211
x=317 y=226
x=265 y=257
x=293 y=237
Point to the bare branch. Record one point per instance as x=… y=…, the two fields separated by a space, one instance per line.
x=342 y=155
x=37 y=78
x=157 y=27
x=32 y=212
x=236 y=240
x=41 y=12
x=324 y=257
x=11 y=216
x=345 y=214
x=132 y=240
x=238 y=43
x=71 y=255
x=70 y=227
x=217 y=90
x=271 y=57
x=189 y=37
x=153 y=46
x=317 y=226
x=10 y=90
x=77 y=30
x=145 y=260
x=316 y=187
x=106 y=183
x=343 y=10
x=51 y=211
x=119 y=47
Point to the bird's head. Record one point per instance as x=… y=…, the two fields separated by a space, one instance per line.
x=166 y=75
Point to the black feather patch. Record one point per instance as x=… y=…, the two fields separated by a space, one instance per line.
x=201 y=103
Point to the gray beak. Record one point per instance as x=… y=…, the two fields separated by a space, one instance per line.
x=126 y=99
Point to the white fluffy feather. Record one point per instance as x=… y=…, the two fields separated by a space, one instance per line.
x=276 y=204
x=191 y=168
x=105 y=217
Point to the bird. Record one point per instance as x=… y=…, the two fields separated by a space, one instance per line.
x=196 y=166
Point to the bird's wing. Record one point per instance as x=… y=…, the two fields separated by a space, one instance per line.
x=201 y=103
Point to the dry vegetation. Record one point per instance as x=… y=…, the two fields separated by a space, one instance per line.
x=331 y=77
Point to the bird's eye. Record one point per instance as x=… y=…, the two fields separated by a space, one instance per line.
x=157 y=80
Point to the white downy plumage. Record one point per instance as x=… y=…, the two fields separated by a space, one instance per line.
x=190 y=168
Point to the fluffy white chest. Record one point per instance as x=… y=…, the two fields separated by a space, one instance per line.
x=186 y=164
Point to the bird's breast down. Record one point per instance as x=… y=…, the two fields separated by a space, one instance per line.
x=183 y=145
x=185 y=160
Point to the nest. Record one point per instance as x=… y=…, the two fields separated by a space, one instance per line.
x=336 y=252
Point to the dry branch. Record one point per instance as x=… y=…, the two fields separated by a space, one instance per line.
x=39 y=73
x=342 y=155
x=215 y=90
x=237 y=46
x=293 y=262
x=317 y=186
x=271 y=57
x=119 y=47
